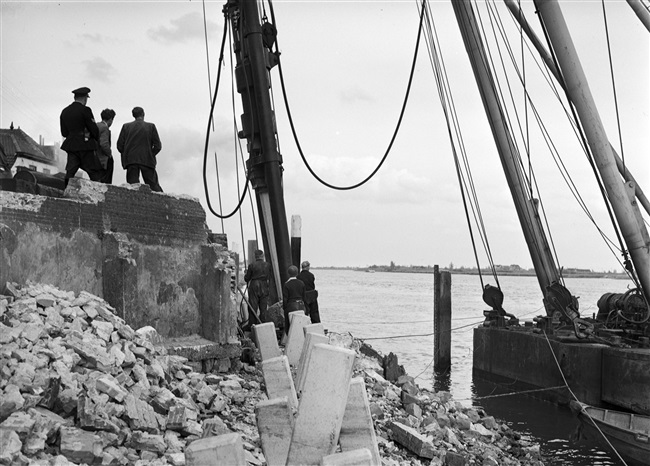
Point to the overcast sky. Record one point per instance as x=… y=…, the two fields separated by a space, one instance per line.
x=346 y=66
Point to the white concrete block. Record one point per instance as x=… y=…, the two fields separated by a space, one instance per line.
x=357 y=429
x=215 y=451
x=266 y=340
x=296 y=336
x=314 y=328
x=311 y=339
x=360 y=457
x=322 y=405
x=275 y=425
x=278 y=381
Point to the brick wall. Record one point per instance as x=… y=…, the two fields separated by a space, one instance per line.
x=146 y=253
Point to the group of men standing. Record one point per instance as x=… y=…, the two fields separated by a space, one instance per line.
x=298 y=292
x=88 y=144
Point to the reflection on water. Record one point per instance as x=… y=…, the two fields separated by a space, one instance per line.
x=393 y=312
x=554 y=427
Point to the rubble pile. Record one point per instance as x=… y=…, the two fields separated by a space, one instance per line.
x=80 y=386
x=419 y=427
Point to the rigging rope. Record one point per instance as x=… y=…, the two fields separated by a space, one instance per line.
x=554 y=152
x=399 y=121
x=576 y=399
x=611 y=72
x=446 y=99
x=531 y=179
x=628 y=266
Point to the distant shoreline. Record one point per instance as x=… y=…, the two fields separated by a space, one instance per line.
x=519 y=273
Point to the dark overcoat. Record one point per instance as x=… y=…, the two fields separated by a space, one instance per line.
x=78 y=127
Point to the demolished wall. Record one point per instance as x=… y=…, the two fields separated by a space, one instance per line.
x=149 y=255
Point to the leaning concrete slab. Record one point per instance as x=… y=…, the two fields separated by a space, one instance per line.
x=357 y=430
x=278 y=381
x=311 y=339
x=314 y=328
x=296 y=336
x=266 y=340
x=223 y=449
x=322 y=406
x=360 y=457
x=275 y=424
x=412 y=440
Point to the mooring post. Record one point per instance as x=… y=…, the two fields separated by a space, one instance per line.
x=296 y=239
x=441 y=320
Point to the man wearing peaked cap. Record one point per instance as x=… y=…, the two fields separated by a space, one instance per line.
x=82 y=91
x=81 y=135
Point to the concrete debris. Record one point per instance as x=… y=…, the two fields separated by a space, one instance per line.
x=80 y=386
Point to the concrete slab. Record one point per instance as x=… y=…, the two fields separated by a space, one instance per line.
x=360 y=457
x=275 y=424
x=278 y=381
x=266 y=340
x=296 y=336
x=311 y=339
x=223 y=449
x=322 y=405
x=357 y=429
x=314 y=328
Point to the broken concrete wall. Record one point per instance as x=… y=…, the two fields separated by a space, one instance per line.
x=146 y=253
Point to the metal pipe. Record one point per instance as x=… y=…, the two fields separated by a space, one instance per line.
x=546 y=270
x=632 y=230
x=550 y=64
x=641 y=11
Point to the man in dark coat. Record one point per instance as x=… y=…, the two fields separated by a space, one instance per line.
x=257 y=276
x=293 y=296
x=139 y=144
x=81 y=135
x=311 y=294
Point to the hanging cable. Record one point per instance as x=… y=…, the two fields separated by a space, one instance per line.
x=399 y=121
x=207 y=136
x=216 y=164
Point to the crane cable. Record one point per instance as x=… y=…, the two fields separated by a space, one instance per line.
x=207 y=136
x=399 y=121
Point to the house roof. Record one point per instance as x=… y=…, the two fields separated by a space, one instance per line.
x=14 y=143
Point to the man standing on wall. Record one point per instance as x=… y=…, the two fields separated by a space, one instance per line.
x=139 y=144
x=81 y=135
x=311 y=294
x=104 y=152
x=257 y=276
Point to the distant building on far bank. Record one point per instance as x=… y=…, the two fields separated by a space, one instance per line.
x=18 y=149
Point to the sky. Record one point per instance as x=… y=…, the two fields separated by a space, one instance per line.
x=346 y=66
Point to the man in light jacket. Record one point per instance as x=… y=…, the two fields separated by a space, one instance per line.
x=139 y=144
x=104 y=147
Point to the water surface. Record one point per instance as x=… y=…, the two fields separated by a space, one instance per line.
x=393 y=312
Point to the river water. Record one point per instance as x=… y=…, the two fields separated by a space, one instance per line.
x=393 y=312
